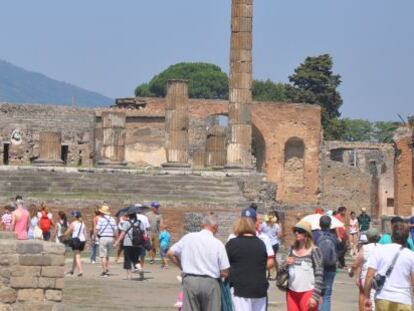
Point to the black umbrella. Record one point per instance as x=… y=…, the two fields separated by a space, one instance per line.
x=122 y=212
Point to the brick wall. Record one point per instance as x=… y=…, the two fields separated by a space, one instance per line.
x=404 y=172
x=32 y=274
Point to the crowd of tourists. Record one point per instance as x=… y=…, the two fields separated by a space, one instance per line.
x=235 y=275
x=131 y=231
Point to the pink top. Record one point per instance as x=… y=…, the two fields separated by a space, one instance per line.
x=6 y=219
x=20 y=227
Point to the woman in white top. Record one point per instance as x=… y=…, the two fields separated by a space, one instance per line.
x=353 y=233
x=77 y=229
x=272 y=229
x=34 y=232
x=361 y=265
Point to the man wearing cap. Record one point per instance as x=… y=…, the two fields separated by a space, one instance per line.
x=203 y=260
x=364 y=220
x=155 y=220
x=105 y=230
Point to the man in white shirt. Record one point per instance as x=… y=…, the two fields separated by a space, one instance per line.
x=396 y=293
x=203 y=260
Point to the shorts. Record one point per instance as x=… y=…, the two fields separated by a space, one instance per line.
x=385 y=305
x=79 y=247
x=163 y=252
x=105 y=246
x=131 y=256
x=155 y=242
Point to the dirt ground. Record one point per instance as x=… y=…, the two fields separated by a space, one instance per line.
x=159 y=289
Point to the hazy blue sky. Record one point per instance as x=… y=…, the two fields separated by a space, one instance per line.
x=112 y=46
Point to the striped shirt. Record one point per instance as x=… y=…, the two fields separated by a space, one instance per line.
x=106 y=226
x=307 y=273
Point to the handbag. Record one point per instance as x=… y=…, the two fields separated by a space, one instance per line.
x=282 y=276
x=379 y=280
x=226 y=302
x=76 y=242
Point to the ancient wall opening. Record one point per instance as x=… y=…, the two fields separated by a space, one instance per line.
x=258 y=149
x=294 y=165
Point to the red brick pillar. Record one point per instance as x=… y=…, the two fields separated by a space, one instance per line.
x=240 y=93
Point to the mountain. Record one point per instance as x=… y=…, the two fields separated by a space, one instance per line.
x=18 y=85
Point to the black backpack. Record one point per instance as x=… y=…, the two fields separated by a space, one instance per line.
x=327 y=245
x=138 y=235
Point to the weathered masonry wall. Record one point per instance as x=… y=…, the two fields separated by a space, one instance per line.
x=31 y=274
x=404 y=170
x=358 y=174
x=286 y=137
x=21 y=126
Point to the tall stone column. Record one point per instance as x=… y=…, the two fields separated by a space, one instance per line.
x=240 y=93
x=113 y=139
x=176 y=124
x=50 y=149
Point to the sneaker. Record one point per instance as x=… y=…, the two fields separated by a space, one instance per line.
x=93 y=262
x=152 y=261
x=69 y=273
x=80 y=274
x=104 y=275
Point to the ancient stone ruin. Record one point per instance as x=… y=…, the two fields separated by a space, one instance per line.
x=31 y=274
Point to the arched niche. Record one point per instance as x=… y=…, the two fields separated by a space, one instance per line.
x=294 y=164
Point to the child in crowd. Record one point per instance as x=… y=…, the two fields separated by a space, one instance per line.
x=6 y=218
x=164 y=238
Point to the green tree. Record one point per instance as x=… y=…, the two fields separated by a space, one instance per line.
x=356 y=130
x=383 y=132
x=315 y=83
x=270 y=91
x=204 y=81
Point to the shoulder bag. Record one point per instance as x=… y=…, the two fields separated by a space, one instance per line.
x=282 y=277
x=379 y=280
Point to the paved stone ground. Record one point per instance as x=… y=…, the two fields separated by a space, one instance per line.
x=159 y=289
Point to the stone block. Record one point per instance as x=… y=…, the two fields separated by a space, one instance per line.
x=34 y=260
x=30 y=295
x=7 y=235
x=5 y=272
x=7 y=247
x=23 y=282
x=9 y=260
x=239 y=10
x=34 y=306
x=7 y=294
x=46 y=282
x=240 y=113
x=29 y=247
x=241 y=67
x=54 y=295
x=241 y=40
x=53 y=272
x=240 y=81
x=30 y=271
x=238 y=55
x=240 y=95
x=57 y=260
x=59 y=283
x=5 y=307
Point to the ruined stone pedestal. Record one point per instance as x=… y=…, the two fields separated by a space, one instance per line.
x=49 y=149
x=113 y=142
x=176 y=124
x=240 y=93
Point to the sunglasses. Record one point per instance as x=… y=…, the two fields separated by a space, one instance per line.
x=299 y=230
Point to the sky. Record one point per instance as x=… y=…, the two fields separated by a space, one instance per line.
x=112 y=46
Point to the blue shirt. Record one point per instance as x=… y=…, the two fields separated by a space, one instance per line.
x=165 y=238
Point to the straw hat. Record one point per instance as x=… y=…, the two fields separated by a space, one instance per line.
x=304 y=225
x=270 y=218
x=105 y=210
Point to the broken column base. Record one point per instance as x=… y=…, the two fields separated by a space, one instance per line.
x=42 y=162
